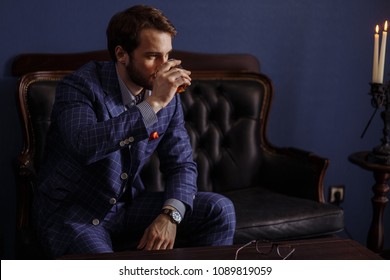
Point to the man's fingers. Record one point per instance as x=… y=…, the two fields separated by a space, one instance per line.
x=142 y=243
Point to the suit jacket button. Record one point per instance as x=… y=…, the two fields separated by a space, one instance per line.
x=131 y=139
x=124 y=176
x=122 y=143
x=112 y=201
x=95 y=222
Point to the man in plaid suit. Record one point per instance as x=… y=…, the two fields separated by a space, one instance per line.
x=101 y=135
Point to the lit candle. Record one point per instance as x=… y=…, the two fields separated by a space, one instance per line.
x=381 y=66
x=376 y=52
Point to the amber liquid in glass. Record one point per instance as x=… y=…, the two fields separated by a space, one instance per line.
x=181 y=88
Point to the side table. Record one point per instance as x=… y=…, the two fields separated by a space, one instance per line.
x=375 y=238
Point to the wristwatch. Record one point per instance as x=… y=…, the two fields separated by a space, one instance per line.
x=173 y=214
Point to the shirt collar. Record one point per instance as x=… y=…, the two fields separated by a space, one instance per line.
x=127 y=95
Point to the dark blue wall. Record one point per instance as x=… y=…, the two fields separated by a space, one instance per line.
x=318 y=54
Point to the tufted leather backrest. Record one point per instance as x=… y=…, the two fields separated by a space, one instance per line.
x=225 y=116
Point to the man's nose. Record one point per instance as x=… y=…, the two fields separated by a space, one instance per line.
x=165 y=59
x=161 y=61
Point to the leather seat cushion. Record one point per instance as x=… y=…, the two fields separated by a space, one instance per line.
x=262 y=214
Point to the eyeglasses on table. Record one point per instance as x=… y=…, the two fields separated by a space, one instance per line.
x=265 y=247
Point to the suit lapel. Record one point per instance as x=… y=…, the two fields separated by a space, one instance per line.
x=110 y=84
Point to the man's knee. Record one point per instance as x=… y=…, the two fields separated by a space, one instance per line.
x=222 y=208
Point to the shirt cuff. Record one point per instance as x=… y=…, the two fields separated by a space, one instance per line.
x=147 y=113
x=177 y=204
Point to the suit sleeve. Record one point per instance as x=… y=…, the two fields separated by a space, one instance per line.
x=177 y=164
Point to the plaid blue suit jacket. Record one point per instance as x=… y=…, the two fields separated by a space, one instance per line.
x=88 y=160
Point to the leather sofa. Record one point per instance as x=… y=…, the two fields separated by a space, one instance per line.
x=277 y=192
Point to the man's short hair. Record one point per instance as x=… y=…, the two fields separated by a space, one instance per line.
x=125 y=27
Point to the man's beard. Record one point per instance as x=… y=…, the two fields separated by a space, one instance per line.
x=137 y=77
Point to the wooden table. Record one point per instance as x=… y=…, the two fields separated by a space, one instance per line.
x=332 y=248
x=375 y=238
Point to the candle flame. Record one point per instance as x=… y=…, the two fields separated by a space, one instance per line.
x=377 y=29
x=385 y=26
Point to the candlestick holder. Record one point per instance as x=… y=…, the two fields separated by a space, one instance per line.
x=381 y=98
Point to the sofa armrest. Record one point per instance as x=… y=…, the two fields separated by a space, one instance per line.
x=26 y=177
x=294 y=172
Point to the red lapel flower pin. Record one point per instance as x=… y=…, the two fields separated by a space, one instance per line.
x=153 y=135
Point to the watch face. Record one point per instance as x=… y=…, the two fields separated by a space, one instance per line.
x=176 y=216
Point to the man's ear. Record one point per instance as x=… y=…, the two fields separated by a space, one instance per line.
x=121 y=54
